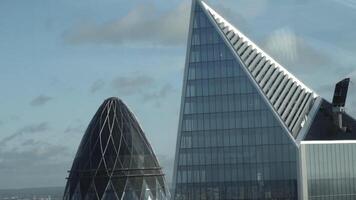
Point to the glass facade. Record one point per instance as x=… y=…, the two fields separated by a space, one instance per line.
x=230 y=145
x=115 y=160
x=329 y=170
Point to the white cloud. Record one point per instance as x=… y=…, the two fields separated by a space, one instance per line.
x=347 y=3
x=96 y=86
x=295 y=52
x=284 y=43
x=26 y=130
x=130 y=85
x=40 y=100
x=144 y=25
x=28 y=165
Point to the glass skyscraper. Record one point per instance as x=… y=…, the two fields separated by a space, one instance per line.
x=329 y=170
x=115 y=160
x=242 y=119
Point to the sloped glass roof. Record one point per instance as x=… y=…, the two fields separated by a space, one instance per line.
x=289 y=97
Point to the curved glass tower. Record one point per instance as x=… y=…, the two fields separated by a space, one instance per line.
x=115 y=160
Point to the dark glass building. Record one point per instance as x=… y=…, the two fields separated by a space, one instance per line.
x=115 y=160
x=243 y=118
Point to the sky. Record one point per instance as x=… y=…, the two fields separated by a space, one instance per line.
x=60 y=59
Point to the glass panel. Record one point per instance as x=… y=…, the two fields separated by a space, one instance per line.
x=330 y=170
x=238 y=148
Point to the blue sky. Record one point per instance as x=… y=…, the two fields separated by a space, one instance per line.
x=60 y=59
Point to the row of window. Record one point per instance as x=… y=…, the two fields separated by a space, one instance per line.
x=241 y=172
x=234 y=137
x=339 y=187
x=200 y=20
x=209 y=52
x=269 y=190
x=206 y=35
x=219 y=86
x=214 y=69
x=234 y=155
x=223 y=103
x=229 y=120
x=331 y=169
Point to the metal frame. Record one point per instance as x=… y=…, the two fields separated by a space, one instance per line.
x=181 y=112
x=253 y=81
x=113 y=152
x=312 y=113
x=293 y=104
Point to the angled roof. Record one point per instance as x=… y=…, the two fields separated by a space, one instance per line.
x=289 y=97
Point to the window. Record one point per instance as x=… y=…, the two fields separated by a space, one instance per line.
x=225 y=103
x=206 y=104
x=204 y=53
x=195 y=54
x=251 y=119
x=204 y=70
x=216 y=37
x=238 y=120
x=199 y=88
x=212 y=104
x=203 y=36
x=243 y=102
x=213 y=121
x=232 y=103
x=211 y=69
x=203 y=20
x=222 y=51
x=230 y=85
x=210 y=49
x=223 y=69
x=191 y=72
x=187 y=124
x=205 y=86
x=200 y=105
x=210 y=35
x=224 y=88
x=230 y=68
x=182 y=159
x=186 y=141
x=211 y=87
x=198 y=70
x=237 y=68
x=190 y=89
x=244 y=120
x=187 y=109
x=216 y=52
x=231 y=120
x=195 y=38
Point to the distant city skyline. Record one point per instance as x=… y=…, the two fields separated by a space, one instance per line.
x=60 y=60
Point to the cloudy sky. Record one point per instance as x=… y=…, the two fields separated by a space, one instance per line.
x=60 y=59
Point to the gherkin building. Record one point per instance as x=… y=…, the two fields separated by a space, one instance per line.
x=115 y=160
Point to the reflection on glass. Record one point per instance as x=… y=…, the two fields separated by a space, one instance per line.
x=231 y=146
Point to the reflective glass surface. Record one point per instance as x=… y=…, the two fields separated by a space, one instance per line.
x=331 y=173
x=115 y=160
x=231 y=146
